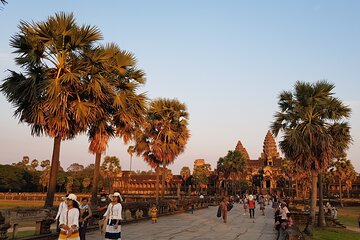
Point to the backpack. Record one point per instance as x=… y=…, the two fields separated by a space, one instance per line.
x=229 y=206
x=218 y=214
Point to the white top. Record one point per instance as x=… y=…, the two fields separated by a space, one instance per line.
x=70 y=217
x=62 y=207
x=113 y=211
x=284 y=211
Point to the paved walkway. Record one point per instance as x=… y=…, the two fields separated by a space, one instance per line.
x=202 y=225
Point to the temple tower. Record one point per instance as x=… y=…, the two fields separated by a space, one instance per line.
x=239 y=147
x=270 y=152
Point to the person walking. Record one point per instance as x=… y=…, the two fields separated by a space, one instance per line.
x=69 y=220
x=224 y=208
x=262 y=205
x=102 y=206
x=246 y=204
x=252 y=206
x=113 y=216
x=85 y=214
x=62 y=207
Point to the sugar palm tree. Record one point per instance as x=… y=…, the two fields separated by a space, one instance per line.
x=49 y=94
x=164 y=134
x=311 y=120
x=131 y=151
x=121 y=109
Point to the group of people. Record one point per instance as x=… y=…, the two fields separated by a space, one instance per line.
x=73 y=217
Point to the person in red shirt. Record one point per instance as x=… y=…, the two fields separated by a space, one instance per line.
x=251 y=206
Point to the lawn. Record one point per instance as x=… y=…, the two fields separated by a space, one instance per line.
x=6 y=204
x=334 y=234
x=349 y=216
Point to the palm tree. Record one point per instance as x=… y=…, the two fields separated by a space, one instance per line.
x=131 y=151
x=50 y=94
x=231 y=166
x=311 y=118
x=164 y=135
x=120 y=108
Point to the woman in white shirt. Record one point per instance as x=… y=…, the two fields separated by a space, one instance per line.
x=69 y=220
x=113 y=216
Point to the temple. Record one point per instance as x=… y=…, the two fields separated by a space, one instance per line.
x=268 y=165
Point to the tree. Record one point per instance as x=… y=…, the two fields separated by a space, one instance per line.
x=34 y=164
x=344 y=172
x=312 y=122
x=164 y=134
x=200 y=176
x=131 y=151
x=121 y=109
x=86 y=183
x=231 y=166
x=75 y=168
x=110 y=169
x=185 y=173
x=45 y=164
x=50 y=95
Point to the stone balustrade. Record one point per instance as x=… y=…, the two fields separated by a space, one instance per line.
x=132 y=211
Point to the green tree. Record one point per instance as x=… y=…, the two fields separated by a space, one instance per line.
x=34 y=164
x=50 y=94
x=185 y=173
x=164 y=134
x=312 y=122
x=231 y=166
x=200 y=176
x=344 y=172
x=110 y=169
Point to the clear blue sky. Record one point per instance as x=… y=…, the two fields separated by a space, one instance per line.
x=227 y=60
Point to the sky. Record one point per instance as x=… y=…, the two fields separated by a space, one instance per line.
x=226 y=60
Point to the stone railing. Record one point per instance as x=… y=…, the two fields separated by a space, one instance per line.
x=42 y=219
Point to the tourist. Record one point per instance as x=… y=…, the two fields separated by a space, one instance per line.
x=154 y=212
x=85 y=214
x=252 y=206
x=246 y=204
x=285 y=227
x=262 y=205
x=101 y=208
x=275 y=204
x=113 y=216
x=62 y=207
x=69 y=220
x=334 y=212
x=224 y=208
x=283 y=212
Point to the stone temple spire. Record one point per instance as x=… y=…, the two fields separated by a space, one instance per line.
x=270 y=151
x=239 y=147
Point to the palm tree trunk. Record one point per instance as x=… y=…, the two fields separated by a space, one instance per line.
x=297 y=189
x=95 y=186
x=157 y=184
x=163 y=182
x=348 y=192
x=341 y=201
x=55 y=163
x=311 y=221
x=321 y=220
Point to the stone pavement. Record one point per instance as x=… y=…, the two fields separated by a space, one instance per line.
x=202 y=225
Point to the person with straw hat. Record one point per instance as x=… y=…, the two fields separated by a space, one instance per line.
x=113 y=216
x=69 y=219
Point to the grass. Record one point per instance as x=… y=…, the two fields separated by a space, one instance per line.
x=6 y=204
x=334 y=234
x=349 y=216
